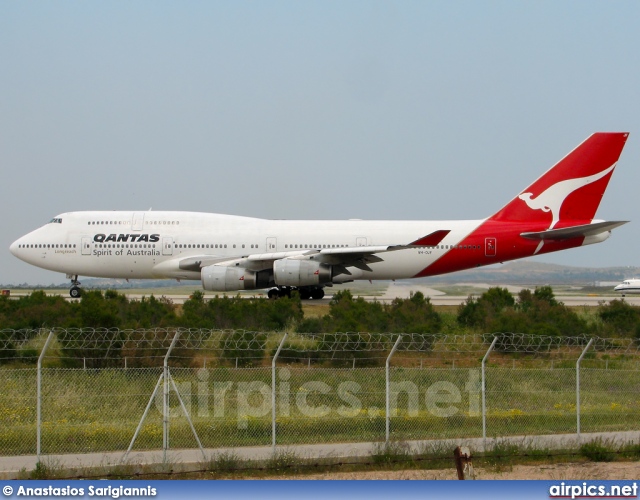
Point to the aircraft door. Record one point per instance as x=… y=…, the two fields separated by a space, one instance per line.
x=167 y=245
x=361 y=241
x=137 y=221
x=86 y=245
x=490 y=245
x=272 y=244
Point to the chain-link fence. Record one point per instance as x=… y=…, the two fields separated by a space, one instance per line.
x=86 y=390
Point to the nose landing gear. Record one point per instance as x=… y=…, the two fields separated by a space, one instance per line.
x=75 y=291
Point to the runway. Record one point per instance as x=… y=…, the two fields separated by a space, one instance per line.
x=385 y=293
x=436 y=299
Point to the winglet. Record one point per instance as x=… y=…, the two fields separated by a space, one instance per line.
x=431 y=240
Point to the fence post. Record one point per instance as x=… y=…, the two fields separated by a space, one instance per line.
x=165 y=399
x=273 y=393
x=144 y=415
x=578 y=385
x=39 y=396
x=388 y=386
x=484 y=399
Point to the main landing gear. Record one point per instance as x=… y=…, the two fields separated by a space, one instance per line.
x=305 y=292
x=75 y=291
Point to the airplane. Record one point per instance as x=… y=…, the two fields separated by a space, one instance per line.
x=628 y=286
x=230 y=253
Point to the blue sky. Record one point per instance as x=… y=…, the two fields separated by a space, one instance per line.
x=319 y=110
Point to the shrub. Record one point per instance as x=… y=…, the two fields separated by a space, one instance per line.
x=245 y=346
x=7 y=348
x=479 y=313
x=237 y=312
x=100 y=311
x=415 y=315
x=295 y=352
x=596 y=451
x=620 y=317
x=537 y=313
x=348 y=314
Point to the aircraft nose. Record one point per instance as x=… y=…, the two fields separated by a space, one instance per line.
x=14 y=247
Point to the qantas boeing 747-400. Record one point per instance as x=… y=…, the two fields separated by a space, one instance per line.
x=230 y=253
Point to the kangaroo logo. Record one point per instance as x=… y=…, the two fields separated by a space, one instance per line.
x=552 y=198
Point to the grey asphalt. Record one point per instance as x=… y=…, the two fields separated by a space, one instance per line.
x=451 y=300
x=402 y=291
x=193 y=459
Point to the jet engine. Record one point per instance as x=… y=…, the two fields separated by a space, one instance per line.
x=292 y=272
x=227 y=279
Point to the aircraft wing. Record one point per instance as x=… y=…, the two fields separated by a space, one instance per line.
x=197 y=262
x=429 y=240
x=574 y=231
x=352 y=256
x=360 y=257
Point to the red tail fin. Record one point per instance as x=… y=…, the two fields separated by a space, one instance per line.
x=570 y=192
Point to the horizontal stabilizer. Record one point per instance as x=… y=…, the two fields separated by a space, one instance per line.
x=574 y=231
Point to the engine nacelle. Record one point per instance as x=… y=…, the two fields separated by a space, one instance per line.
x=292 y=272
x=227 y=279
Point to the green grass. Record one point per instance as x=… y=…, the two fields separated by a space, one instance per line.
x=98 y=410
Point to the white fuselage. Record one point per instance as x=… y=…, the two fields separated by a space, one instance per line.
x=628 y=286
x=122 y=244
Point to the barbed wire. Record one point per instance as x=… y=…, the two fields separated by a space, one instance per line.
x=154 y=342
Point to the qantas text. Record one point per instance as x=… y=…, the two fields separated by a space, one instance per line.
x=126 y=238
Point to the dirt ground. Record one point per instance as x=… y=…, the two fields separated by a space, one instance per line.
x=564 y=471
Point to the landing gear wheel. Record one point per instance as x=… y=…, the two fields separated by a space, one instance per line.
x=305 y=293
x=75 y=290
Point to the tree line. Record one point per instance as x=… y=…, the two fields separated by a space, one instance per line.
x=535 y=312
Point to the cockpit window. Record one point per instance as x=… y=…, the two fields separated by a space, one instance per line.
x=55 y=221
